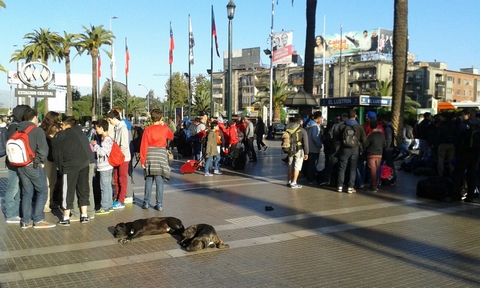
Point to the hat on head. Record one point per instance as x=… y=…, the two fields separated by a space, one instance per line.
x=371 y=115
x=220 y=119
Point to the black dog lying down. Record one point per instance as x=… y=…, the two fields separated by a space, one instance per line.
x=201 y=236
x=149 y=226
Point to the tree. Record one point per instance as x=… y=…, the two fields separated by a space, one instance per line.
x=66 y=42
x=280 y=92
x=91 y=41
x=2 y=4
x=400 y=31
x=202 y=101
x=42 y=45
x=309 y=46
x=179 y=90
x=383 y=88
x=81 y=107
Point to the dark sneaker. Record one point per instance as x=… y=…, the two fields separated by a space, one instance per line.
x=84 y=219
x=64 y=223
x=102 y=211
x=43 y=224
x=265 y=148
x=159 y=207
x=25 y=226
x=145 y=205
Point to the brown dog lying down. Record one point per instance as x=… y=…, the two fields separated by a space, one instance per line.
x=201 y=236
x=149 y=226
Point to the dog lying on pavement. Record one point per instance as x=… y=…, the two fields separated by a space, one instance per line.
x=201 y=236
x=149 y=226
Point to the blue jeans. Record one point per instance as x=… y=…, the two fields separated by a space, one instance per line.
x=148 y=189
x=106 y=187
x=12 y=195
x=348 y=157
x=208 y=164
x=33 y=179
x=216 y=164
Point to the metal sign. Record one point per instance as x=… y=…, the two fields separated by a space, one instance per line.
x=35 y=75
x=375 y=101
x=43 y=93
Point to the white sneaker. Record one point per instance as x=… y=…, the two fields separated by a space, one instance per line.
x=15 y=220
x=218 y=172
x=128 y=200
x=295 y=186
x=340 y=189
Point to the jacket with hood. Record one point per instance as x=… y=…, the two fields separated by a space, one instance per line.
x=68 y=151
x=38 y=142
x=123 y=140
x=314 y=136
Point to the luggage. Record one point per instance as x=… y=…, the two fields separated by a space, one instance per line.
x=191 y=166
x=437 y=188
x=239 y=162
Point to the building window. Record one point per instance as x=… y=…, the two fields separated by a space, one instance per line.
x=459 y=81
x=470 y=93
x=449 y=78
x=458 y=92
x=449 y=90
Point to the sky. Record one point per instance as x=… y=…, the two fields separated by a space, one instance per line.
x=442 y=30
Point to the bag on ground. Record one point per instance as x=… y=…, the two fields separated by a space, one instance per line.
x=437 y=188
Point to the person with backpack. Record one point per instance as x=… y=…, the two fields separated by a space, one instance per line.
x=295 y=145
x=154 y=158
x=32 y=175
x=12 y=193
x=103 y=166
x=351 y=136
x=468 y=156
x=120 y=173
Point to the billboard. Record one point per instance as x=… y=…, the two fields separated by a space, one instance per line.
x=282 y=47
x=374 y=41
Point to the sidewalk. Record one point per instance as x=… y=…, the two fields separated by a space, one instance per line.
x=313 y=238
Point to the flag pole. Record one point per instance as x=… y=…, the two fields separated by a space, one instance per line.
x=126 y=84
x=212 y=107
x=170 y=61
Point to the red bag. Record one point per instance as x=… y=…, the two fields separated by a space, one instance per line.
x=116 y=157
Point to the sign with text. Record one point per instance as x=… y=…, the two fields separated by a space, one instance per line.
x=375 y=101
x=20 y=92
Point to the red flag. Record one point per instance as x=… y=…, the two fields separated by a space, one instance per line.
x=214 y=32
x=172 y=46
x=99 y=67
x=127 y=58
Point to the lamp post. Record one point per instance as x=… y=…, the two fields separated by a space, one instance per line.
x=148 y=98
x=11 y=89
x=111 y=65
x=270 y=99
x=230 y=14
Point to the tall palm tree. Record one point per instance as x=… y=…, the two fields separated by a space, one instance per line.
x=383 y=88
x=280 y=92
x=400 y=31
x=309 y=46
x=42 y=45
x=2 y=4
x=91 y=41
x=67 y=42
x=202 y=101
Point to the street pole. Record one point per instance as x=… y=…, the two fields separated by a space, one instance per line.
x=148 y=98
x=270 y=111
x=11 y=88
x=111 y=65
x=230 y=13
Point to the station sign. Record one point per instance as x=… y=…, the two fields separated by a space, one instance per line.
x=42 y=93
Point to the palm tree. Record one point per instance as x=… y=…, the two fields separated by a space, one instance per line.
x=91 y=41
x=309 y=46
x=280 y=92
x=66 y=42
x=202 y=101
x=2 y=4
x=400 y=31
x=42 y=45
x=383 y=88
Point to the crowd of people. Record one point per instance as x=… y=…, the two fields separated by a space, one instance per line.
x=344 y=154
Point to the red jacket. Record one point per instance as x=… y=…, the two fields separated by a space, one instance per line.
x=232 y=135
x=154 y=136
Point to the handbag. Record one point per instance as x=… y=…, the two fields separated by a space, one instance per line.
x=116 y=157
x=321 y=160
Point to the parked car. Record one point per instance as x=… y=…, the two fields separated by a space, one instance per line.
x=278 y=128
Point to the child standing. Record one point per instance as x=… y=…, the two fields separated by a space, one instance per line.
x=104 y=167
x=211 y=148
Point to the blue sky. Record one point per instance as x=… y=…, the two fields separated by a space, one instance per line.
x=439 y=30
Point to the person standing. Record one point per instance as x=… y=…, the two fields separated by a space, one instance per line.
x=295 y=161
x=72 y=154
x=211 y=150
x=154 y=158
x=351 y=136
x=260 y=131
x=249 y=136
x=12 y=194
x=120 y=173
x=32 y=176
x=373 y=148
x=104 y=167
x=314 y=132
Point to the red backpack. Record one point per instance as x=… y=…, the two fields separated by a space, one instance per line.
x=18 y=148
x=116 y=157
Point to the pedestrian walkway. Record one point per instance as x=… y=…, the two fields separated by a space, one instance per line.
x=313 y=237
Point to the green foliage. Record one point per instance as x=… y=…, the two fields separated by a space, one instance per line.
x=383 y=88
x=179 y=90
x=82 y=107
x=202 y=102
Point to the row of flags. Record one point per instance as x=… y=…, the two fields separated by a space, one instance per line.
x=170 y=54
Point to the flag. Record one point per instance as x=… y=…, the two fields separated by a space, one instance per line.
x=214 y=32
x=99 y=67
x=192 y=41
x=127 y=58
x=113 y=66
x=172 y=46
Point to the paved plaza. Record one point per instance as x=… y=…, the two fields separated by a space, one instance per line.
x=314 y=237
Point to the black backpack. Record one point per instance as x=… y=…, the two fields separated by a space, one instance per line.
x=3 y=141
x=350 y=137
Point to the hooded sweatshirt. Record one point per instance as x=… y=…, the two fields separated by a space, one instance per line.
x=68 y=151
x=359 y=131
x=37 y=140
x=314 y=136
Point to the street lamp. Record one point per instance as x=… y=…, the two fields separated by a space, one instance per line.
x=230 y=14
x=270 y=99
x=148 y=98
x=111 y=65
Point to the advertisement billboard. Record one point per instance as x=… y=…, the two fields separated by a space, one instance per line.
x=282 y=47
x=373 y=41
